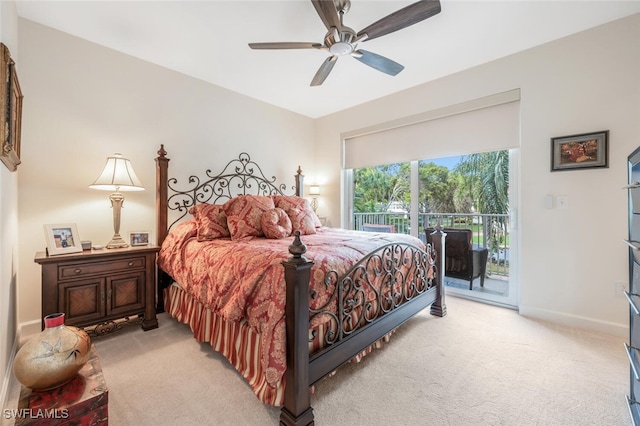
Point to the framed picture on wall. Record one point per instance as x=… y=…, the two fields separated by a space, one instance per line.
x=62 y=239
x=583 y=151
x=10 y=111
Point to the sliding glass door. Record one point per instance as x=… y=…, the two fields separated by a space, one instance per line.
x=471 y=196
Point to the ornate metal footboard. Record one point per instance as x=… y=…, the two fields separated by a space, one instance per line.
x=379 y=293
x=378 y=284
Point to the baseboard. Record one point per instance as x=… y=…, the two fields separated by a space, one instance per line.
x=26 y=329
x=577 y=321
x=8 y=374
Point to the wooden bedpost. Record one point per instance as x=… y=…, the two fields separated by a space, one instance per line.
x=297 y=410
x=162 y=176
x=438 y=307
x=299 y=183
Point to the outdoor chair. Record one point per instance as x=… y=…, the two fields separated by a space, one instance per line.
x=462 y=259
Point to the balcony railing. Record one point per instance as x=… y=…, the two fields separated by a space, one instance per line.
x=489 y=230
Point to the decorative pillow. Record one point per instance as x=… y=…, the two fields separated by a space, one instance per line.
x=276 y=224
x=299 y=210
x=244 y=214
x=211 y=220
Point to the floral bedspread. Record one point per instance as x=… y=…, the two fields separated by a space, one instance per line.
x=245 y=279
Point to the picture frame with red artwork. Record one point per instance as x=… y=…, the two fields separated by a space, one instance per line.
x=582 y=151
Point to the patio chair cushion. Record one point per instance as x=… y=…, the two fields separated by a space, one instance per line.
x=374 y=227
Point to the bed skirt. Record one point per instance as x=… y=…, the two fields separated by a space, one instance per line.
x=236 y=341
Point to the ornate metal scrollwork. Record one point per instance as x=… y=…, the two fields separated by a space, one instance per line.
x=111 y=326
x=240 y=176
x=379 y=283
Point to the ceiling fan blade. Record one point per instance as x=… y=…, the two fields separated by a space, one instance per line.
x=378 y=62
x=285 y=45
x=402 y=18
x=324 y=71
x=328 y=13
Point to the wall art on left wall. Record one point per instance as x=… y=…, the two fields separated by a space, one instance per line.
x=10 y=111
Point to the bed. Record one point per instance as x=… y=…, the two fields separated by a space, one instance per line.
x=248 y=266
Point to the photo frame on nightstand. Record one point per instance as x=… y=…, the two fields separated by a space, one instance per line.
x=139 y=238
x=62 y=238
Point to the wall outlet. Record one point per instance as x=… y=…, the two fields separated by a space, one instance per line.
x=562 y=201
x=621 y=287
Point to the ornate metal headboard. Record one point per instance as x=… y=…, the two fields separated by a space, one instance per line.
x=240 y=176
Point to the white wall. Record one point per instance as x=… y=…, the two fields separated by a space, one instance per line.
x=84 y=102
x=8 y=220
x=570 y=259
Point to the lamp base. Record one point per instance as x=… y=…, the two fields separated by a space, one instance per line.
x=117 y=242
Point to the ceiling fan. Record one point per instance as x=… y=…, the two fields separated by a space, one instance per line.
x=341 y=40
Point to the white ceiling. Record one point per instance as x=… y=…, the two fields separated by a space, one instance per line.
x=208 y=40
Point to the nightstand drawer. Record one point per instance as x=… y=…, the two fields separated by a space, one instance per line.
x=111 y=266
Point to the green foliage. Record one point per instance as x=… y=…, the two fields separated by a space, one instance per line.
x=486 y=180
x=479 y=181
x=373 y=188
x=437 y=188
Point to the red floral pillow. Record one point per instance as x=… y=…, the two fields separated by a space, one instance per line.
x=299 y=210
x=244 y=214
x=211 y=220
x=276 y=224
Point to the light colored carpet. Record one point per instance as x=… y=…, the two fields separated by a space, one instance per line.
x=479 y=365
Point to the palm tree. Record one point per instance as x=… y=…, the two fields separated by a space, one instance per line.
x=373 y=187
x=486 y=178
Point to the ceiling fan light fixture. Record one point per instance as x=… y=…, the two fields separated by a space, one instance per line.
x=341 y=49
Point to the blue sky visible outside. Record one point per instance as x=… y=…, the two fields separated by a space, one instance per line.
x=448 y=162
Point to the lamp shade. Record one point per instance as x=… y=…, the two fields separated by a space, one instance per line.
x=314 y=190
x=118 y=175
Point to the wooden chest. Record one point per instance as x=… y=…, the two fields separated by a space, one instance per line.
x=82 y=401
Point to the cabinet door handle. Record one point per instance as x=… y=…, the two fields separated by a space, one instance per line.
x=102 y=297
x=78 y=270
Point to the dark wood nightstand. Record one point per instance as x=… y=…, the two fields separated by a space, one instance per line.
x=98 y=287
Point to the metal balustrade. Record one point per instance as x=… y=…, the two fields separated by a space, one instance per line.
x=489 y=230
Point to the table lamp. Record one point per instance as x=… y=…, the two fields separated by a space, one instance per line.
x=118 y=175
x=314 y=190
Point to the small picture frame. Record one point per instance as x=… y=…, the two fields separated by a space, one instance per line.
x=139 y=238
x=62 y=238
x=583 y=151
